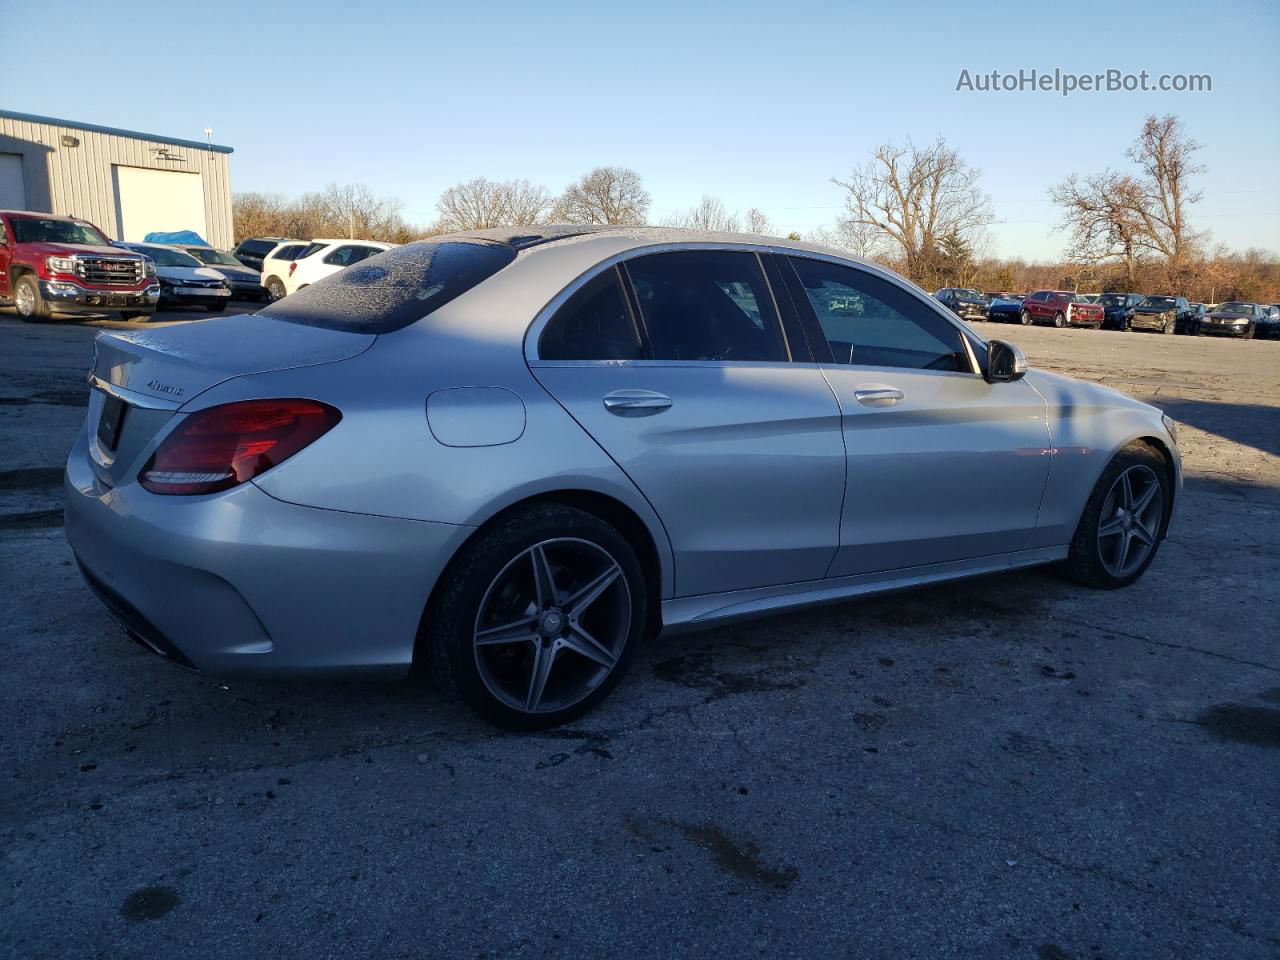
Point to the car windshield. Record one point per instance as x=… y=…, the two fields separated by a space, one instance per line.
x=164 y=257
x=213 y=257
x=393 y=289
x=1162 y=303
x=1235 y=307
x=1112 y=300
x=31 y=230
x=971 y=295
x=1079 y=298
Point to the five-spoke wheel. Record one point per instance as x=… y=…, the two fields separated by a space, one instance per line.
x=552 y=625
x=1123 y=520
x=1130 y=520
x=538 y=617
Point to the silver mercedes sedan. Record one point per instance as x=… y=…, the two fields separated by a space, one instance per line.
x=511 y=457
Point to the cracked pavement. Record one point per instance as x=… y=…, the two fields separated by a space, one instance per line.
x=1011 y=766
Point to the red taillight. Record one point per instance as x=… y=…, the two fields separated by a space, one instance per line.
x=293 y=265
x=221 y=447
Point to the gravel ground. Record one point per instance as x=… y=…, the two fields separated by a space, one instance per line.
x=1007 y=767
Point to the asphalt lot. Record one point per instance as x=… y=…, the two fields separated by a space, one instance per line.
x=1008 y=767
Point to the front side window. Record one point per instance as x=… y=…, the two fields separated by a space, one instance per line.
x=709 y=305
x=346 y=255
x=593 y=324
x=871 y=322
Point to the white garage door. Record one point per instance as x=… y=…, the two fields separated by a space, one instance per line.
x=13 y=189
x=152 y=200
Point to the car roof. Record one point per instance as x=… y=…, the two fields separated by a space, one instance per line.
x=38 y=215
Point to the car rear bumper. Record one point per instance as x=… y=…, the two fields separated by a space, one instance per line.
x=240 y=583
x=64 y=296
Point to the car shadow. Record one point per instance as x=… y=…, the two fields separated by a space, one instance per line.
x=1253 y=425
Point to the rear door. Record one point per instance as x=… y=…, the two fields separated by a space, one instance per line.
x=943 y=466
x=679 y=367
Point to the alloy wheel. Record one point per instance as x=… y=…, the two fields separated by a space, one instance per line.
x=552 y=625
x=24 y=300
x=1129 y=521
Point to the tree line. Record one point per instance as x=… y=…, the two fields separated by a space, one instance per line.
x=920 y=209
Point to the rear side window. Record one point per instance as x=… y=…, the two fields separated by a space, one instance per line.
x=405 y=285
x=257 y=248
x=706 y=305
x=287 y=252
x=593 y=324
x=308 y=250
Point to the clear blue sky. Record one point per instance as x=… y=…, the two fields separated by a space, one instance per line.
x=760 y=103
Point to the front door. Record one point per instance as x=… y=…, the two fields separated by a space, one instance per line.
x=677 y=365
x=943 y=466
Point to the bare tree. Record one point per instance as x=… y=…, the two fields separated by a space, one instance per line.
x=758 y=221
x=1102 y=213
x=482 y=203
x=352 y=210
x=709 y=214
x=1164 y=153
x=913 y=196
x=605 y=195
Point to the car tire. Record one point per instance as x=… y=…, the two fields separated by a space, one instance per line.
x=1025 y=317
x=27 y=300
x=275 y=289
x=500 y=578
x=1059 y=320
x=1101 y=552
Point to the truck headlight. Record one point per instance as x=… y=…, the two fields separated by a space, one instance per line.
x=149 y=267
x=60 y=264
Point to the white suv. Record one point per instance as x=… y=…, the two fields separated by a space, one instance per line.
x=323 y=257
x=275 y=266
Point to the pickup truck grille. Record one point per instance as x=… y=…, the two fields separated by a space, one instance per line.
x=109 y=271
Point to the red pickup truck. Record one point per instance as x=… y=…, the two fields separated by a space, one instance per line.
x=52 y=264
x=1062 y=308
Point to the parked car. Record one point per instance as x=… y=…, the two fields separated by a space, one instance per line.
x=253 y=251
x=1161 y=314
x=1005 y=307
x=1062 y=308
x=517 y=456
x=323 y=257
x=964 y=303
x=1117 y=309
x=1191 y=322
x=52 y=264
x=184 y=281
x=244 y=282
x=1269 y=325
x=1235 y=318
x=276 y=264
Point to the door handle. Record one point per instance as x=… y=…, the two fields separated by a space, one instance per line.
x=878 y=396
x=636 y=403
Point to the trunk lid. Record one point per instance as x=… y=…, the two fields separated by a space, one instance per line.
x=143 y=377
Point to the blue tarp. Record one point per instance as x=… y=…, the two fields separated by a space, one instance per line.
x=185 y=237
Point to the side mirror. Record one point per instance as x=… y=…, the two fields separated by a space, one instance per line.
x=1005 y=362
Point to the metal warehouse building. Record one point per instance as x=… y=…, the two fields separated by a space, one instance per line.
x=129 y=184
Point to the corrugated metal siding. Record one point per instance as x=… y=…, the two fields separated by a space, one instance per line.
x=79 y=181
